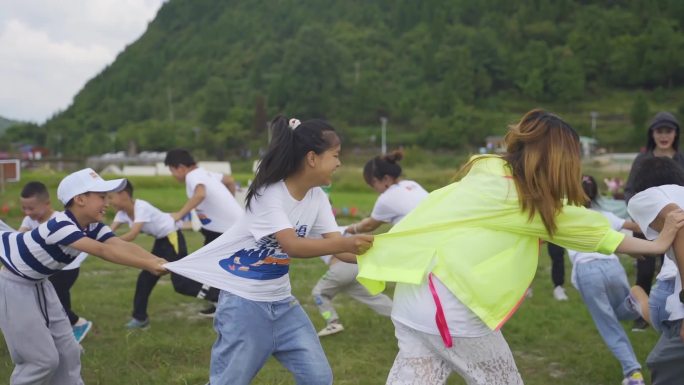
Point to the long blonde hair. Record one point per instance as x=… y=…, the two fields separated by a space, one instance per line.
x=543 y=152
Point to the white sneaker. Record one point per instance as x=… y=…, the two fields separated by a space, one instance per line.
x=331 y=328
x=559 y=294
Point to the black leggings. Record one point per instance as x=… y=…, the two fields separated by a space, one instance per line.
x=146 y=281
x=557 y=264
x=63 y=281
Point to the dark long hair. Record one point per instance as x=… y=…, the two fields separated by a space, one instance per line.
x=590 y=189
x=288 y=148
x=383 y=165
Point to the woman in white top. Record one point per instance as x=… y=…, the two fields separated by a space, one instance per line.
x=257 y=316
x=397 y=198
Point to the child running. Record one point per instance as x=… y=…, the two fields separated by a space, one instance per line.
x=659 y=188
x=464 y=258
x=210 y=194
x=257 y=316
x=169 y=243
x=602 y=283
x=35 y=202
x=397 y=198
x=37 y=331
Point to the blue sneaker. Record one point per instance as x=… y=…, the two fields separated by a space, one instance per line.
x=137 y=324
x=81 y=328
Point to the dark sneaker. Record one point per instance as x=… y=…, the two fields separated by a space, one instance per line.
x=135 y=323
x=208 y=312
x=639 y=325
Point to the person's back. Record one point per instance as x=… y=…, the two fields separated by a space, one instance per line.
x=219 y=210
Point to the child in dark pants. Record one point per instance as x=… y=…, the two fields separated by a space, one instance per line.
x=169 y=243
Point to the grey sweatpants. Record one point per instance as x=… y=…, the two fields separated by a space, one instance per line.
x=38 y=333
x=666 y=360
x=341 y=278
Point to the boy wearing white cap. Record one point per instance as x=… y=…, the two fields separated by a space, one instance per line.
x=36 y=329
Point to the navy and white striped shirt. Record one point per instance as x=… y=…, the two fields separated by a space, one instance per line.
x=43 y=251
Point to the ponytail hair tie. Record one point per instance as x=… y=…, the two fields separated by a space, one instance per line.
x=294 y=123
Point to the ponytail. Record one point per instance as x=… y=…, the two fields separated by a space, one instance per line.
x=383 y=165
x=290 y=142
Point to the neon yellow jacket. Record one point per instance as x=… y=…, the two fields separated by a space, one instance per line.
x=479 y=242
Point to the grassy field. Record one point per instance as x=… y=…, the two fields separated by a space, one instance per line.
x=553 y=342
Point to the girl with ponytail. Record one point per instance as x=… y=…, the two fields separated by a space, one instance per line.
x=257 y=316
x=397 y=198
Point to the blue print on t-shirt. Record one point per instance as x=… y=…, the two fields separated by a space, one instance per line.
x=265 y=261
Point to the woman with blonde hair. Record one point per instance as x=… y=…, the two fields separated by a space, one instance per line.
x=465 y=256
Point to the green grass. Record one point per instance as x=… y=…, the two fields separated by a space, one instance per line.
x=553 y=343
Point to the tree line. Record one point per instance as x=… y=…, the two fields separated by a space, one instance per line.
x=207 y=74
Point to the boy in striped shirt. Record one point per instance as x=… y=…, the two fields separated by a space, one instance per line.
x=37 y=331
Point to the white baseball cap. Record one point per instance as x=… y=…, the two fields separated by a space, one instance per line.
x=86 y=180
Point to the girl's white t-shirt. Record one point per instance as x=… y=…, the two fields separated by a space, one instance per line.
x=578 y=257
x=155 y=222
x=397 y=201
x=31 y=224
x=219 y=210
x=644 y=207
x=414 y=306
x=247 y=260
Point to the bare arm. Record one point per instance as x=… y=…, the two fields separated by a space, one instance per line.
x=344 y=257
x=229 y=182
x=115 y=225
x=23 y=229
x=297 y=247
x=631 y=226
x=132 y=233
x=197 y=197
x=366 y=225
x=123 y=253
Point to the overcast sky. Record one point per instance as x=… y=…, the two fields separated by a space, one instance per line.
x=49 y=49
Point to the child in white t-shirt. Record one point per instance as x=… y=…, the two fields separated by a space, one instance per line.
x=602 y=283
x=257 y=316
x=169 y=243
x=35 y=202
x=659 y=190
x=210 y=194
x=397 y=198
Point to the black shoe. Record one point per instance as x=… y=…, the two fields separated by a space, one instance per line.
x=639 y=325
x=208 y=312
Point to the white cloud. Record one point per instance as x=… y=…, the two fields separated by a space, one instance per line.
x=50 y=49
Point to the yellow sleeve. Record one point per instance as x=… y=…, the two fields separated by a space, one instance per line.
x=577 y=228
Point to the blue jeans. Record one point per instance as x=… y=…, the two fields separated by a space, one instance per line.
x=656 y=302
x=604 y=288
x=249 y=332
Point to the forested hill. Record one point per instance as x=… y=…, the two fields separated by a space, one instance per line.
x=207 y=73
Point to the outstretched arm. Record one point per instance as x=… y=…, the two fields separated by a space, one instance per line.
x=366 y=225
x=297 y=247
x=123 y=253
x=196 y=198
